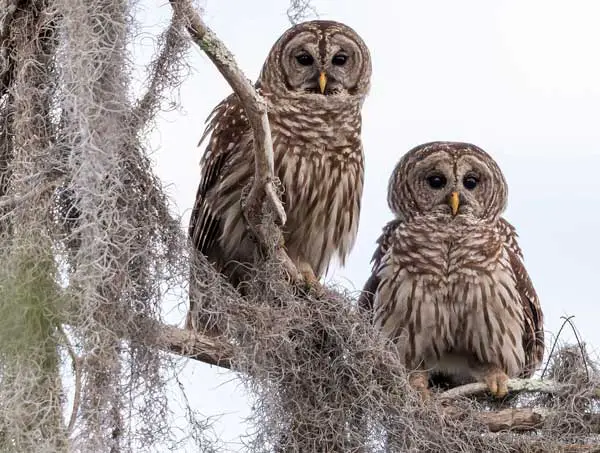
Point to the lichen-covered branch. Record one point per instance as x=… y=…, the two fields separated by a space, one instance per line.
x=514 y=386
x=187 y=343
x=262 y=200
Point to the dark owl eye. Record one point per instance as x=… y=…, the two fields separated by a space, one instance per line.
x=305 y=59
x=436 y=181
x=339 y=59
x=470 y=182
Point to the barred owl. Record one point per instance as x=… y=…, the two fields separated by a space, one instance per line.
x=314 y=80
x=448 y=284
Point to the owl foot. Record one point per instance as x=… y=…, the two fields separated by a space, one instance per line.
x=309 y=279
x=497 y=382
x=419 y=380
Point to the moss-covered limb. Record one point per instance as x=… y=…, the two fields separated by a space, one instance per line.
x=514 y=386
x=189 y=344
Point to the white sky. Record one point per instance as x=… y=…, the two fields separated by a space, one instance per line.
x=520 y=79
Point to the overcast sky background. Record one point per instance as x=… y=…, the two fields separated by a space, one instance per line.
x=519 y=79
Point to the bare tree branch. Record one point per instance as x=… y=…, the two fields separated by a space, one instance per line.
x=514 y=385
x=189 y=344
x=217 y=351
x=521 y=419
x=263 y=193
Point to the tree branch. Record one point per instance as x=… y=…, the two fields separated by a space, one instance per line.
x=514 y=385
x=217 y=351
x=187 y=343
x=521 y=419
x=263 y=193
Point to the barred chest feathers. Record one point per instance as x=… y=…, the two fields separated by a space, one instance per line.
x=457 y=299
x=319 y=160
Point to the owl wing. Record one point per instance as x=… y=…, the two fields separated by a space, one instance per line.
x=365 y=300
x=533 y=333
x=227 y=125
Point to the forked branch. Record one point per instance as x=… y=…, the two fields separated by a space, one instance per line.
x=262 y=198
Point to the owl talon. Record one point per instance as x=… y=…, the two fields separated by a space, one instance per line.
x=497 y=382
x=312 y=284
x=309 y=280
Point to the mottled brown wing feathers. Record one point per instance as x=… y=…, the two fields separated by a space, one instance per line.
x=533 y=332
x=365 y=300
x=227 y=124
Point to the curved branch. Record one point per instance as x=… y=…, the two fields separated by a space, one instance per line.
x=263 y=194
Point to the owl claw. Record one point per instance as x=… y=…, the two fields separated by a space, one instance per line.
x=309 y=279
x=497 y=382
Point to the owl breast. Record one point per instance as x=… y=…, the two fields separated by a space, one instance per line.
x=319 y=160
x=448 y=298
x=322 y=191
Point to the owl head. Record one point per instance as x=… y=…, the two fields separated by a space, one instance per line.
x=319 y=58
x=448 y=179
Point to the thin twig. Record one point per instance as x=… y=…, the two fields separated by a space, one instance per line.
x=8 y=15
x=300 y=10
x=10 y=201
x=580 y=343
x=262 y=193
x=555 y=343
x=172 y=45
x=77 y=361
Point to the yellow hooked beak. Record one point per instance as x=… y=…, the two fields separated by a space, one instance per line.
x=454 y=202
x=322 y=82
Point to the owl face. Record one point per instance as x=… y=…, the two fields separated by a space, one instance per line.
x=450 y=180
x=323 y=58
